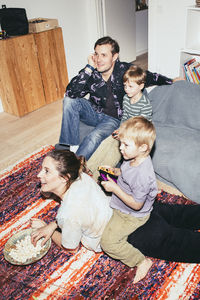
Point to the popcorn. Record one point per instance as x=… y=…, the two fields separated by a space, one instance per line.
x=25 y=250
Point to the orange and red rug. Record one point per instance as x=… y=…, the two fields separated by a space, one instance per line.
x=84 y=275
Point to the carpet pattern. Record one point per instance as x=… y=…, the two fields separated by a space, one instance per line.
x=84 y=275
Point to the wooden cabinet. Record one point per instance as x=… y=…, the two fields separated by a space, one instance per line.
x=33 y=71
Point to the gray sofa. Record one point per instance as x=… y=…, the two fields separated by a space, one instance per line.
x=176 y=156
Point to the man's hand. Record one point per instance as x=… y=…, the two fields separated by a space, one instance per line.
x=178 y=79
x=91 y=61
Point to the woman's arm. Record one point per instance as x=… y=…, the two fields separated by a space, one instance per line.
x=57 y=239
x=44 y=230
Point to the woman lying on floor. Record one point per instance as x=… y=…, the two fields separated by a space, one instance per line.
x=170 y=233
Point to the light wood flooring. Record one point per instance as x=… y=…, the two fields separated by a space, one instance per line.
x=22 y=136
x=142 y=61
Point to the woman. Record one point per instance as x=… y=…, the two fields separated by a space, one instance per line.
x=170 y=233
x=84 y=209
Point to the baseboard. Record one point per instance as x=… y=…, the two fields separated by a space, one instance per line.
x=140 y=52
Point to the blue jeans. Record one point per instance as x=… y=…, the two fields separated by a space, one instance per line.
x=80 y=109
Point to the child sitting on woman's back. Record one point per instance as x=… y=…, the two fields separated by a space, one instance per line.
x=133 y=195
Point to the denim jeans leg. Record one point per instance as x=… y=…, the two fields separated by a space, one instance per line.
x=75 y=110
x=106 y=125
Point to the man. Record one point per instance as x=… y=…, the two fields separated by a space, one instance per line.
x=102 y=79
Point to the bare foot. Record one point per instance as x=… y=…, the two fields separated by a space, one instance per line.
x=142 y=269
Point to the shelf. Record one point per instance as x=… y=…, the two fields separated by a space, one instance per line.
x=193 y=8
x=192 y=29
x=186 y=56
x=191 y=51
x=192 y=38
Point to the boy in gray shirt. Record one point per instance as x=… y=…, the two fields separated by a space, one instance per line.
x=133 y=195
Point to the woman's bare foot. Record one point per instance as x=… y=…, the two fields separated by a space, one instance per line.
x=142 y=269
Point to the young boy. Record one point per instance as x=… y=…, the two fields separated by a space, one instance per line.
x=133 y=195
x=135 y=103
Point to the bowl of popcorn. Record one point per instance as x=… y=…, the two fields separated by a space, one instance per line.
x=19 y=249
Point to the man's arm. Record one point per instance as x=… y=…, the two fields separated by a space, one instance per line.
x=78 y=86
x=156 y=79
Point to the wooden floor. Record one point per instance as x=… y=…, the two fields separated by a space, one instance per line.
x=142 y=61
x=22 y=136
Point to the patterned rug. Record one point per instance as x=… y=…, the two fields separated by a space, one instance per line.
x=84 y=275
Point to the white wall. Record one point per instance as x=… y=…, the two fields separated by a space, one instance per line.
x=75 y=19
x=120 y=23
x=167 y=27
x=141 y=32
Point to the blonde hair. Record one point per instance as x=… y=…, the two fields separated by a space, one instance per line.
x=135 y=74
x=140 y=130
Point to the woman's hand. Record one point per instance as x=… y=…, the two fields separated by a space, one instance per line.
x=45 y=232
x=36 y=223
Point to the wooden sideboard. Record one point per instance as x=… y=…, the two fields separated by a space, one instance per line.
x=33 y=71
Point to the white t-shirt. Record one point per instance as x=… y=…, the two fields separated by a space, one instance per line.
x=83 y=214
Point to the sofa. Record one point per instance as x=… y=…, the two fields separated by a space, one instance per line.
x=176 y=155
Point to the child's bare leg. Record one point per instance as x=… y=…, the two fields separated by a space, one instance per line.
x=142 y=269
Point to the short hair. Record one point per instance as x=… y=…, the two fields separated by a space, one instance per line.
x=136 y=74
x=140 y=130
x=108 y=40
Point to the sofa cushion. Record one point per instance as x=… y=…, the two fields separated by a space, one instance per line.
x=176 y=155
x=177 y=104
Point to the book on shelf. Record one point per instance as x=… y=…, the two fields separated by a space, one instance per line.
x=197 y=70
x=191 y=70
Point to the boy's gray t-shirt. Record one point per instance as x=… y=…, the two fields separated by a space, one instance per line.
x=140 y=182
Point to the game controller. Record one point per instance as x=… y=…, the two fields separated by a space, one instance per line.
x=103 y=171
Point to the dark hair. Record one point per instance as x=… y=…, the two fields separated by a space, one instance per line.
x=108 y=40
x=135 y=73
x=68 y=164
